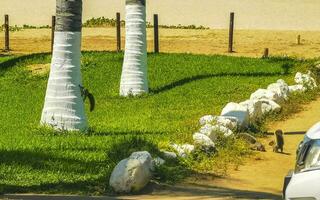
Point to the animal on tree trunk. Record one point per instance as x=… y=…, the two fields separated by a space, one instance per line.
x=134 y=79
x=64 y=108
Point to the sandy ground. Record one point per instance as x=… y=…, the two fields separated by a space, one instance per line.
x=247 y=42
x=260 y=178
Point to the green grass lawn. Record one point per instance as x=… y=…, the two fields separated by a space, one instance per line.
x=183 y=88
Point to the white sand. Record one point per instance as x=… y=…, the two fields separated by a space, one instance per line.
x=250 y=14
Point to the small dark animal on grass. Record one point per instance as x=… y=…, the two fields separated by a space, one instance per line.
x=278 y=147
x=85 y=93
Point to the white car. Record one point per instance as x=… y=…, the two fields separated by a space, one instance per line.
x=304 y=182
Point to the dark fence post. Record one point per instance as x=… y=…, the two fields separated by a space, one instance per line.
x=266 y=53
x=118 y=26
x=231 y=28
x=6 y=27
x=53 y=25
x=156 y=33
x=299 y=39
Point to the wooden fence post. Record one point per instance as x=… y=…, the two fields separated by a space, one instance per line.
x=53 y=25
x=156 y=33
x=6 y=27
x=231 y=29
x=118 y=26
x=266 y=53
x=299 y=40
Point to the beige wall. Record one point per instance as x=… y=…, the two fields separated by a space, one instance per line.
x=250 y=14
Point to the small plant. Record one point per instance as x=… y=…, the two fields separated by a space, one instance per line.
x=286 y=68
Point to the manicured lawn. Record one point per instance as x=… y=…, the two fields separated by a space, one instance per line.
x=183 y=88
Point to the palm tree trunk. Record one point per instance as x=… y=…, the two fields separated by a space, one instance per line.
x=64 y=107
x=134 y=79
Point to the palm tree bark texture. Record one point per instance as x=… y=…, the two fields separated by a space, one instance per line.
x=64 y=107
x=134 y=79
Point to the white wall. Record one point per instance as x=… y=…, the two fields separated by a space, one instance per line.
x=250 y=14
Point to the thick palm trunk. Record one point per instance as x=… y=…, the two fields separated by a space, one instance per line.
x=64 y=107
x=134 y=79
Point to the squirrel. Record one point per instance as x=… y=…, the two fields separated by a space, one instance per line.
x=278 y=145
x=85 y=93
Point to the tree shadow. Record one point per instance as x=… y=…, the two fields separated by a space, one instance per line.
x=17 y=59
x=201 y=191
x=41 y=160
x=92 y=175
x=207 y=76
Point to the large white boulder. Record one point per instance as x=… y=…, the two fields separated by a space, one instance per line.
x=269 y=106
x=255 y=109
x=238 y=111
x=212 y=131
x=305 y=80
x=297 y=88
x=265 y=94
x=183 y=150
x=281 y=88
x=133 y=173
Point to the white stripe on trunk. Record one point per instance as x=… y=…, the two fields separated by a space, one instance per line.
x=64 y=107
x=134 y=79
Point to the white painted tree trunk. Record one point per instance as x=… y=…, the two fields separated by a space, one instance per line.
x=64 y=108
x=134 y=79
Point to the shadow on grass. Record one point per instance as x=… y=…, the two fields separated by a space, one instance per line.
x=50 y=171
x=122 y=133
x=17 y=59
x=207 y=76
x=43 y=159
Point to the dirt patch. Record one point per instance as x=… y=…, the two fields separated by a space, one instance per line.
x=246 y=42
x=39 y=69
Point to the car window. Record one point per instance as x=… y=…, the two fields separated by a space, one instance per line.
x=313 y=156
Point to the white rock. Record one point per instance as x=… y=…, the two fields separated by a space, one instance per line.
x=227 y=121
x=255 y=109
x=133 y=173
x=207 y=119
x=238 y=111
x=265 y=94
x=281 y=88
x=188 y=148
x=212 y=131
x=183 y=150
x=202 y=140
x=305 y=80
x=169 y=155
x=158 y=161
x=297 y=88
x=269 y=106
